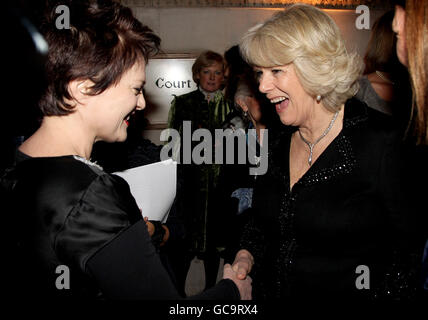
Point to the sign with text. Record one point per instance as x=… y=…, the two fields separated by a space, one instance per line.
x=164 y=79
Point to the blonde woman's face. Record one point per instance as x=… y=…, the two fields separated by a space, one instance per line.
x=284 y=90
x=211 y=77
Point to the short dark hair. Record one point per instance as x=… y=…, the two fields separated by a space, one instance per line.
x=103 y=42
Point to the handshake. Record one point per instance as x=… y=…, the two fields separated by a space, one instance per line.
x=238 y=273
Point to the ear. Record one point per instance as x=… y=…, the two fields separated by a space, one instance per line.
x=79 y=89
x=399 y=20
x=241 y=103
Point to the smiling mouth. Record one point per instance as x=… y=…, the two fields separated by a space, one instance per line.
x=277 y=100
x=281 y=103
x=126 y=120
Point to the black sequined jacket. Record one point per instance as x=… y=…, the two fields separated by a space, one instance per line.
x=334 y=232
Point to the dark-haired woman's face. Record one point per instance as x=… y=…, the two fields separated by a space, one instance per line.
x=109 y=112
x=211 y=77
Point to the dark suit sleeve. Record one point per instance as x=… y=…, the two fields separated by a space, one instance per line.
x=129 y=268
x=118 y=253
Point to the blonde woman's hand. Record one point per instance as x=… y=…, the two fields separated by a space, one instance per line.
x=243 y=263
x=244 y=286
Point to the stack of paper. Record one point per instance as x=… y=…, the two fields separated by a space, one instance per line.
x=153 y=187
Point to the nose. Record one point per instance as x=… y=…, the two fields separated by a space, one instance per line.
x=212 y=76
x=265 y=83
x=141 y=102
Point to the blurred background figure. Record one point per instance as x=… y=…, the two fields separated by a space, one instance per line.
x=252 y=110
x=205 y=107
x=383 y=73
x=236 y=68
x=236 y=182
x=24 y=53
x=411 y=27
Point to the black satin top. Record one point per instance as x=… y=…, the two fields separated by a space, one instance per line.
x=69 y=212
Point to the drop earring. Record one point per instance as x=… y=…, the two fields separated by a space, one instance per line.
x=318 y=98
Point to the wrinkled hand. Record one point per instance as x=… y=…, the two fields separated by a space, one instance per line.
x=244 y=286
x=243 y=263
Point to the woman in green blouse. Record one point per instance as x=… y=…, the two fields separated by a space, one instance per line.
x=205 y=107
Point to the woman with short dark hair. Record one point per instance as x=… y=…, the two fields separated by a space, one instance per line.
x=77 y=229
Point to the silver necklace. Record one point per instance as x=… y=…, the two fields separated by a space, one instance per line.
x=312 y=145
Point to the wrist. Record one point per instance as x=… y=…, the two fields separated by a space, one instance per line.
x=166 y=235
x=158 y=234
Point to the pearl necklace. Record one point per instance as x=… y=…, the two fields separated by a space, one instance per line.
x=312 y=145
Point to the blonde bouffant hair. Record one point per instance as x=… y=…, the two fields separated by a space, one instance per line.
x=309 y=39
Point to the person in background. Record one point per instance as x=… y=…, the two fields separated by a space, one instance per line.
x=330 y=203
x=411 y=27
x=236 y=182
x=70 y=219
x=383 y=73
x=24 y=52
x=236 y=68
x=204 y=108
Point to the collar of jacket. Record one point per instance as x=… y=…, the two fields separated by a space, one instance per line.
x=356 y=112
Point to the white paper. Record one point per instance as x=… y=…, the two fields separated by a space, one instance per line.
x=153 y=187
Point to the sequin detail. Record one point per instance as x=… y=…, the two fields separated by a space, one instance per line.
x=343 y=167
x=289 y=243
x=88 y=162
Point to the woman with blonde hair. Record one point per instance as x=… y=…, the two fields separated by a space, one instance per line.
x=327 y=212
x=203 y=108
